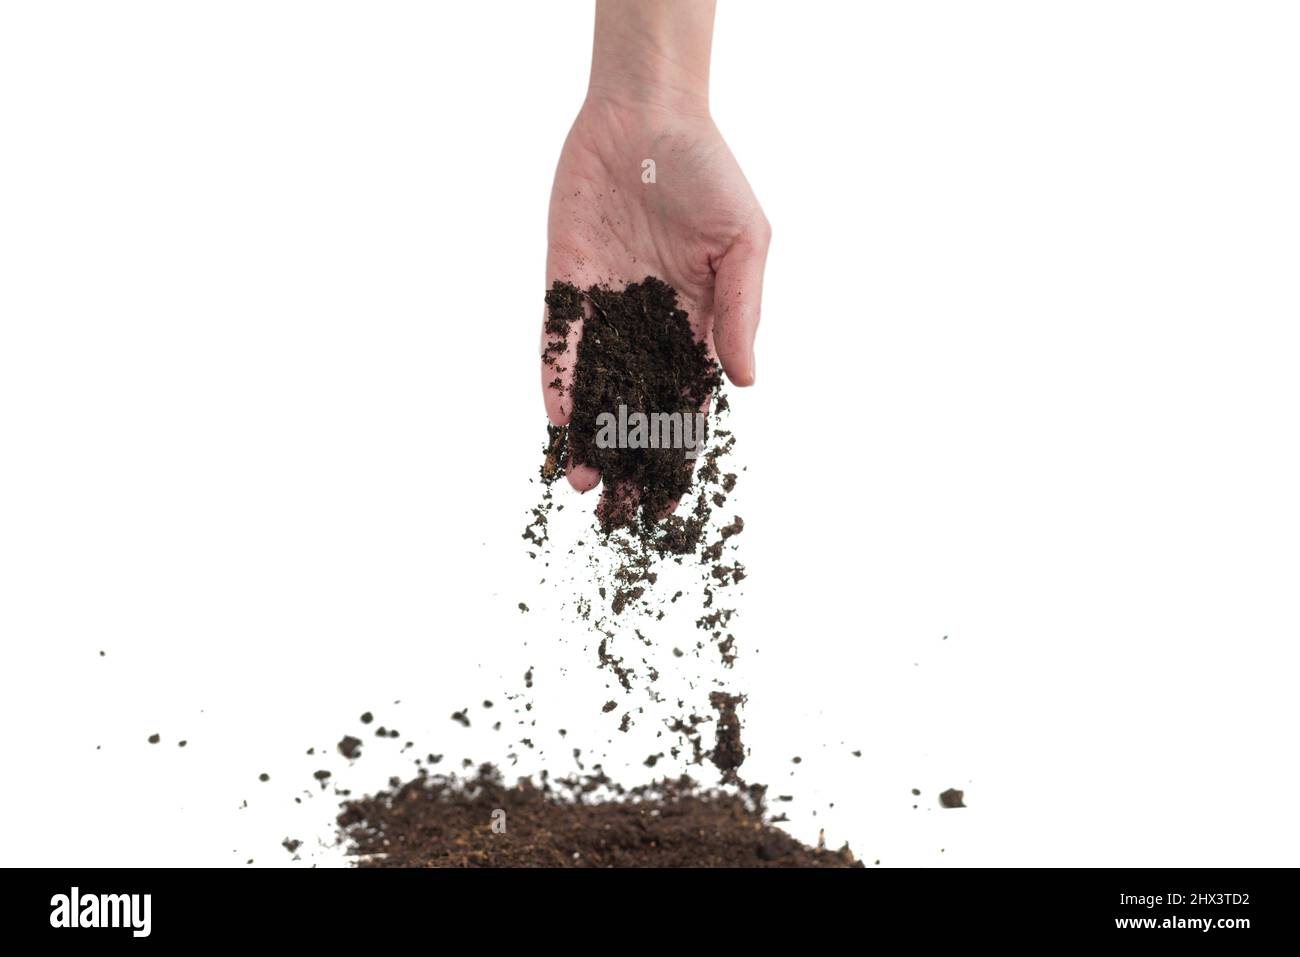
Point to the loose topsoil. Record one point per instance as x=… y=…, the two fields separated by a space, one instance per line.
x=482 y=822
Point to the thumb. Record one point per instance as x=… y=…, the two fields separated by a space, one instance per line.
x=737 y=301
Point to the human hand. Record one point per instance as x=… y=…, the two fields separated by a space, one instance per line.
x=694 y=223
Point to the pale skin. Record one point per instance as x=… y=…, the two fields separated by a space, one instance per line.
x=697 y=226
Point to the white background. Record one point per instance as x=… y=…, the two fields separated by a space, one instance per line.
x=270 y=286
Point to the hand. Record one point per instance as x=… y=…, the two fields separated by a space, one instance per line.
x=697 y=225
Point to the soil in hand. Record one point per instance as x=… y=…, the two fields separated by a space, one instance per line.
x=637 y=353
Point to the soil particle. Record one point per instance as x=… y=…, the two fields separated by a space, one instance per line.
x=607 y=660
x=952 y=798
x=728 y=752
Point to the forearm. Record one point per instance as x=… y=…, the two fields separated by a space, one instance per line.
x=653 y=53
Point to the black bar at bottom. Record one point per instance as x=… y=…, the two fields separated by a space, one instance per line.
x=1222 y=907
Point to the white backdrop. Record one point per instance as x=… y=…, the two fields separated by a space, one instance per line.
x=270 y=286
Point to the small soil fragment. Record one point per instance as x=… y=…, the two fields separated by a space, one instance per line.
x=728 y=752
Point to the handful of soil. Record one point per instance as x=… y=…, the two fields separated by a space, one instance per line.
x=637 y=354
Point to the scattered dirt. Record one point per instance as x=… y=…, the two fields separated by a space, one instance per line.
x=637 y=352
x=952 y=798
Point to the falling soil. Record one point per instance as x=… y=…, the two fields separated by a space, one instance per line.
x=637 y=353
x=483 y=822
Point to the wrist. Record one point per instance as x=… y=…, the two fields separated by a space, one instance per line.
x=653 y=53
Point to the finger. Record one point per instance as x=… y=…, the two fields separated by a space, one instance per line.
x=561 y=331
x=737 y=302
x=618 y=505
x=583 y=477
x=559 y=352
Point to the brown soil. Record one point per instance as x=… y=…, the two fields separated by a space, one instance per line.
x=439 y=821
x=728 y=752
x=637 y=350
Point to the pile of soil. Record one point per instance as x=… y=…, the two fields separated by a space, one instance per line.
x=438 y=821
